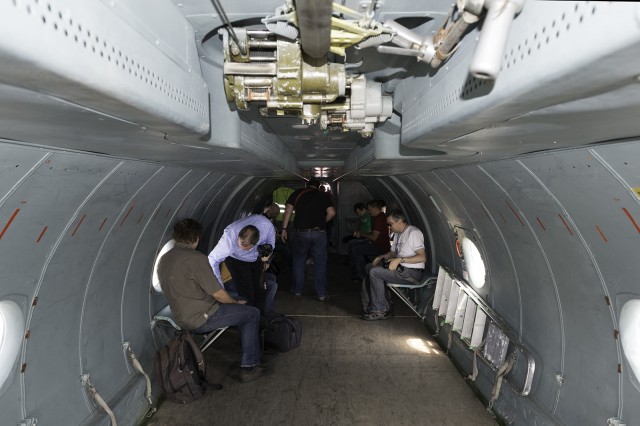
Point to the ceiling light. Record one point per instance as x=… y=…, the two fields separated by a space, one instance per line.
x=311 y=155
x=300 y=126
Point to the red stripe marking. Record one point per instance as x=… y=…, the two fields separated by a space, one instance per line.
x=78 y=225
x=102 y=224
x=168 y=211
x=140 y=218
x=625 y=210
x=13 y=216
x=127 y=215
x=157 y=211
x=601 y=234
x=541 y=224
x=41 y=234
x=565 y=224
x=515 y=213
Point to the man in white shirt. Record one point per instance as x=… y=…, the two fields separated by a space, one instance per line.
x=406 y=263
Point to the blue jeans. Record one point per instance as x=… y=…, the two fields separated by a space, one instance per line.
x=247 y=319
x=374 y=290
x=358 y=249
x=314 y=242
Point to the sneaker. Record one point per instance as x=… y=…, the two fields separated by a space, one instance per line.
x=297 y=294
x=374 y=316
x=254 y=373
x=323 y=298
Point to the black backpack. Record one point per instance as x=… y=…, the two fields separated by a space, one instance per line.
x=180 y=369
x=280 y=332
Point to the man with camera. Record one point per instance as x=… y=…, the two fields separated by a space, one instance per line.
x=403 y=264
x=245 y=247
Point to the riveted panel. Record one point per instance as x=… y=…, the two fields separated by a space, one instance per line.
x=579 y=289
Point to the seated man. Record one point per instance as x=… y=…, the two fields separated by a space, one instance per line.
x=270 y=281
x=364 y=224
x=200 y=304
x=238 y=247
x=406 y=262
x=376 y=242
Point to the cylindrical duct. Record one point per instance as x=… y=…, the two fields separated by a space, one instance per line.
x=487 y=58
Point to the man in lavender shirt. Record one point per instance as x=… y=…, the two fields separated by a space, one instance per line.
x=238 y=249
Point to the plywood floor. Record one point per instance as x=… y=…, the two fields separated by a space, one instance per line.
x=346 y=372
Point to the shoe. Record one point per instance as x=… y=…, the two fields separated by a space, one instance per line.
x=214 y=386
x=323 y=298
x=255 y=373
x=375 y=316
x=297 y=294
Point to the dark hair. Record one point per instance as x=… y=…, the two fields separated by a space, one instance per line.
x=249 y=234
x=314 y=183
x=359 y=206
x=187 y=231
x=398 y=215
x=376 y=203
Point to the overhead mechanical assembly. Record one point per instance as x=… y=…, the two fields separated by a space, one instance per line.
x=276 y=72
x=268 y=65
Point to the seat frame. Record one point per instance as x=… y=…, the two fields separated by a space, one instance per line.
x=165 y=317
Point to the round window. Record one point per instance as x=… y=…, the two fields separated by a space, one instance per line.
x=156 y=280
x=11 y=331
x=474 y=262
x=630 y=334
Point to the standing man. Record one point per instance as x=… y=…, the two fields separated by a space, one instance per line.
x=238 y=249
x=376 y=241
x=313 y=210
x=200 y=304
x=406 y=263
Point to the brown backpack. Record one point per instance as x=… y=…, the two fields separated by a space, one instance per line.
x=180 y=369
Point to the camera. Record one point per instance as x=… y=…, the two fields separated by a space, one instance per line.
x=386 y=263
x=265 y=250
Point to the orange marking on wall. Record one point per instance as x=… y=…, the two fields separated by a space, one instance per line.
x=140 y=218
x=565 y=224
x=515 y=213
x=13 y=216
x=601 y=234
x=625 y=211
x=168 y=211
x=503 y=219
x=102 y=224
x=156 y=213
x=41 y=234
x=126 y=216
x=78 y=225
x=541 y=225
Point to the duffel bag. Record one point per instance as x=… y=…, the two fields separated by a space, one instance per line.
x=280 y=332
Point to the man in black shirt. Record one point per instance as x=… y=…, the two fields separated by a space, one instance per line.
x=313 y=210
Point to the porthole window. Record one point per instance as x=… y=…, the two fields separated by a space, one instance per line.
x=474 y=263
x=11 y=331
x=156 y=280
x=630 y=334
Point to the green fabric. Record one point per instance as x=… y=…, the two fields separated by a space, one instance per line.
x=280 y=196
x=365 y=223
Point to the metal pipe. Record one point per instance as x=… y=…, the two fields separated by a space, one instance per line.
x=314 y=22
x=223 y=15
x=249 y=68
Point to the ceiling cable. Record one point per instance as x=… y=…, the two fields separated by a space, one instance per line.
x=223 y=15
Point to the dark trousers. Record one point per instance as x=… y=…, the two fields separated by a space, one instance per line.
x=248 y=279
